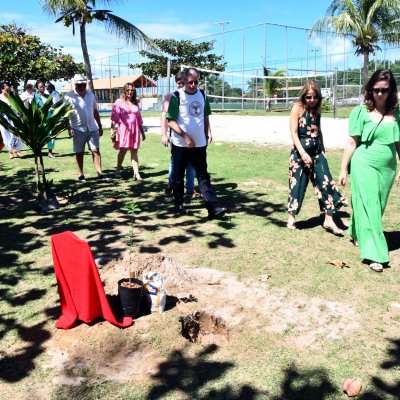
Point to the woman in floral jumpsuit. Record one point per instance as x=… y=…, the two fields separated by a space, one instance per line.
x=308 y=162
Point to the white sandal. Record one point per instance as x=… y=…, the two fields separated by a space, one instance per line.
x=377 y=267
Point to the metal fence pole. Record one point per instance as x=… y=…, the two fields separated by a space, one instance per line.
x=335 y=92
x=242 y=67
x=287 y=67
x=169 y=75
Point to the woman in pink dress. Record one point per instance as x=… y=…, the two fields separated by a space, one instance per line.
x=126 y=118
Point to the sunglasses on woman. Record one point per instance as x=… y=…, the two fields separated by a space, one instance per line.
x=312 y=97
x=381 y=90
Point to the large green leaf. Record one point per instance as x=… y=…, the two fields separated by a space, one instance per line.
x=34 y=125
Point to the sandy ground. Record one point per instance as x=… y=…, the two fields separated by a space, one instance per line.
x=263 y=130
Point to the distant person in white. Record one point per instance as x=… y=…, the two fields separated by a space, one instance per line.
x=85 y=125
x=28 y=95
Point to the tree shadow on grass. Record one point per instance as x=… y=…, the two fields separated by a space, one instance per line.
x=190 y=375
x=318 y=220
x=383 y=389
x=310 y=384
x=15 y=367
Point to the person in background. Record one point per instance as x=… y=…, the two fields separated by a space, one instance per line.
x=28 y=95
x=51 y=90
x=188 y=117
x=10 y=141
x=126 y=129
x=40 y=98
x=190 y=173
x=307 y=160
x=85 y=125
x=373 y=141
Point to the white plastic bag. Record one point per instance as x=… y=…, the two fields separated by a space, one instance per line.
x=155 y=292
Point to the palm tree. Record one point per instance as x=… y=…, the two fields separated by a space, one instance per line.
x=368 y=22
x=270 y=85
x=84 y=12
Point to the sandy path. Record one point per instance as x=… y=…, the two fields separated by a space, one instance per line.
x=263 y=130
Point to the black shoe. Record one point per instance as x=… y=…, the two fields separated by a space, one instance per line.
x=180 y=210
x=82 y=178
x=217 y=212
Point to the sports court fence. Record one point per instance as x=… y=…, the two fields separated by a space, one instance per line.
x=279 y=48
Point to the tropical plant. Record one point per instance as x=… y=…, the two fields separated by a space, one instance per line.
x=83 y=12
x=179 y=52
x=35 y=126
x=368 y=22
x=271 y=85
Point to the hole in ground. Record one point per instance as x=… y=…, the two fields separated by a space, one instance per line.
x=204 y=328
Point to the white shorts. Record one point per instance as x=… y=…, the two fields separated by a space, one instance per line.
x=92 y=138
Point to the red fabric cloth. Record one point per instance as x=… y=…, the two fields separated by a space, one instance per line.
x=81 y=291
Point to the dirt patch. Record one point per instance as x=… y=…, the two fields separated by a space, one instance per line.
x=213 y=306
x=98 y=351
x=303 y=321
x=204 y=328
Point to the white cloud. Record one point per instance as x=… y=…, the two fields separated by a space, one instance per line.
x=336 y=48
x=11 y=17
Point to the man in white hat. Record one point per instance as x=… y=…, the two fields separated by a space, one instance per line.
x=85 y=125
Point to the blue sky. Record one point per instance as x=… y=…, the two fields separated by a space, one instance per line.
x=194 y=20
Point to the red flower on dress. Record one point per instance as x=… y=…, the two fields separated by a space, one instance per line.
x=302 y=122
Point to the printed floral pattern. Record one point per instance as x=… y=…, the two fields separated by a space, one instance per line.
x=329 y=198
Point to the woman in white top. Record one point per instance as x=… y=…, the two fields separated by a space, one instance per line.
x=12 y=143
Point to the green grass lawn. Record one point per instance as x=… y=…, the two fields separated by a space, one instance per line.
x=250 y=242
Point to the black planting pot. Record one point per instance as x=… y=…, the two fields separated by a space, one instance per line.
x=130 y=298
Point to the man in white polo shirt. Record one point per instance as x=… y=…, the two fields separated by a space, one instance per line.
x=85 y=125
x=188 y=117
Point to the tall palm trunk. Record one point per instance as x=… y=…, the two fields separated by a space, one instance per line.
x=86 y=60
x=365 y=69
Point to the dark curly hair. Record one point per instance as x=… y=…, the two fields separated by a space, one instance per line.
x=311 y=85
x=392 y=99
x=3 y=85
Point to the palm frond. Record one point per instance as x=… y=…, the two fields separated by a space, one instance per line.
x=54 y=7
x=127 y=31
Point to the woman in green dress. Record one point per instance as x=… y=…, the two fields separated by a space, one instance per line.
x=308 y=162
x=372 y=144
